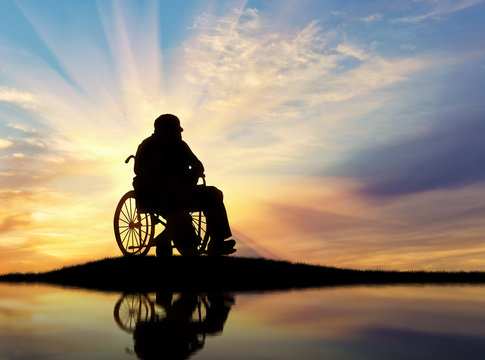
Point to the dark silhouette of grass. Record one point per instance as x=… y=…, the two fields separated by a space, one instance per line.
x=225 y=273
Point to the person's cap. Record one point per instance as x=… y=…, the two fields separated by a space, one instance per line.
x=167 y=122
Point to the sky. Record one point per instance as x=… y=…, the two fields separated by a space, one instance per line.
x=342 y=133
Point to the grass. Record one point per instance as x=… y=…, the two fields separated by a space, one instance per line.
x=225 y=273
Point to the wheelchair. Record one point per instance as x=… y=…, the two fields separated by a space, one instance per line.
x=135 y=229
x=156 y=332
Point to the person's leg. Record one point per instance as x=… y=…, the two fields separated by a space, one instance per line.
x=179 y=224
x=182 y=231
x=210 y=200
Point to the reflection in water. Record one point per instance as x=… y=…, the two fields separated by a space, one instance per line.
x=340 y=323
x=173 y=325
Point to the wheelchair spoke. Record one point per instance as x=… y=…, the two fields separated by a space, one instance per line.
x=131 y=212
x=133 y=236
x=126 y=222
x=134 y=239
x=125 y=230
x=127 y=213
x=125 y=236
x=128 y=237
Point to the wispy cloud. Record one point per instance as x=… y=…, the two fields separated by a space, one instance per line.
x=4 y=143
x=270 y=85
x=438 y=159
x=22 y=127
x=408 y=47
x=438 y=9
x=372 y=18
x=22 y=98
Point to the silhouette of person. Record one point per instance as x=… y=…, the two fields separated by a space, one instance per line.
x=219 y=305
x=167 y=172
x=173 y=337
x=178 y=335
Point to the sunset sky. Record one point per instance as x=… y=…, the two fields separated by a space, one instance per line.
x=344 y=133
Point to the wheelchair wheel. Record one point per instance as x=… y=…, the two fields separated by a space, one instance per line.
x=131 y=309
x=133 y=230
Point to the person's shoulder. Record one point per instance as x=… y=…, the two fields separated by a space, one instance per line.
x=146 y=145
x=149 y=140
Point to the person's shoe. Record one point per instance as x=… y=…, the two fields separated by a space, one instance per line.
x=214 y=252
x=229 y=243
x=228 y=247
x=222 y=248
x=229 y=251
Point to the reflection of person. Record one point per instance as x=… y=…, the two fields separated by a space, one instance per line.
x=217 y=312
x=178 y=335
x=166 y=182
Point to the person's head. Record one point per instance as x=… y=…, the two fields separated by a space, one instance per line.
x=168 y=125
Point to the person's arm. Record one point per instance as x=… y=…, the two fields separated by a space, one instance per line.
x=195 y=164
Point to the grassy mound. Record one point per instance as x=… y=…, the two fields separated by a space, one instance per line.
x=224 y=273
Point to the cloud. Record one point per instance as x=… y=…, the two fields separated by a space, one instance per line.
x=408 y=47
x=22 y=127
x=319 y=221
x=13 y=222
x=352 y=51
x=236 y=55
x=438 y=9
x=4 y=143
x=236 y=60
x=24 y=99
x=435 y=230
x=446 y=156
x=273 y=87
x=372 y=18
x=42 y=221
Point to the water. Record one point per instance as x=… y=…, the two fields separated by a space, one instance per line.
x=391 y=322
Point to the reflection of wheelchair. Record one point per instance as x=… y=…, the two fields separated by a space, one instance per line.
x=135 y=230
x=134 y=308
x=174 y=325
x=170 y=326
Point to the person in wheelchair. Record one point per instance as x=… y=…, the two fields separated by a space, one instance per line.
x=167 y=172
